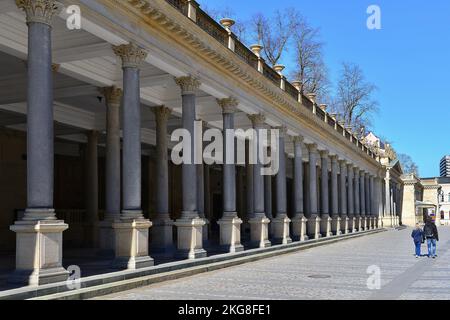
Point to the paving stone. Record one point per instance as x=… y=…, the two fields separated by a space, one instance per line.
x=344 y=263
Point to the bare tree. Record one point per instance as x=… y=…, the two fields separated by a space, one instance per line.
x=240 y=28
x=408 y=165
x=354 y=99
x=274 y=33
x=310 y=67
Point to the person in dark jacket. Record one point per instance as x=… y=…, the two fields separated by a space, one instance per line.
x=417 y=235
x=431 y=235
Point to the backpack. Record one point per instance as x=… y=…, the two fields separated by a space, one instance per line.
x=428 y=231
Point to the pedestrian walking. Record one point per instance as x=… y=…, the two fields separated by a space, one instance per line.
x=417 y=235
x=431 y=236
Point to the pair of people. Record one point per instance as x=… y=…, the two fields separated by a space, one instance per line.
x=429 y=234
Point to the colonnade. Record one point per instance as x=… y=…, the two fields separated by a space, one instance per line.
x=333 y=196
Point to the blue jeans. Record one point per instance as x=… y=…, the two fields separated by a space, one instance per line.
x=418 y=245
x=431 y=242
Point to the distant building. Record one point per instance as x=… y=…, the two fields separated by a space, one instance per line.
x=445 y=166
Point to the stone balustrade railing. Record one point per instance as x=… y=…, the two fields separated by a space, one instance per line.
x=213 y=28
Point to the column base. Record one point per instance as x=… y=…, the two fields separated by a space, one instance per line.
x=39 y=252
x=131 y=240
x=314 y=227
x=230 y=232
x=358 y=223
x=299 y=227
x=387 y=222
x=325 y=225
x=259 y=231
x=190 y=239
x=344 y=224
x=336 y=225
x=281 y=230
x=162 y=235
x=351 y=225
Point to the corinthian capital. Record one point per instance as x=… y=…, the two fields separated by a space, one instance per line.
x=228 y=105
x=257 y=119
x=188 y=84
x=40 y=11
x=113 y=95
x=162 y=113
x=132 y=56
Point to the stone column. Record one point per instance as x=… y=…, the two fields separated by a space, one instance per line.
x=131 y=230
x=350 y=198
x=249 y=180
x=368 y=207
x=91 y=189
x=362 y=198
x=343 y=191
x=313 y=219
x=372 y=202
x=201 y=188
x=357 y=226
x=336 y=220
x=281 y=223
x=230 y=224
x=39 y=233
x=113 y=99
x=190 y=225
x=268 y=200
x=162 y=230
x=387 y=221
x=299 y=220
x=259 y=223
x=325 y=223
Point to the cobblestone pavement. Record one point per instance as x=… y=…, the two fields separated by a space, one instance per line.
x=335 y=271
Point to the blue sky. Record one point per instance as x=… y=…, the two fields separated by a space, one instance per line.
x=408 y=60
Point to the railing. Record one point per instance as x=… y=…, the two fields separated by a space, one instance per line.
x=245 y=54
x=71 y=216
x=180 y=5
x=210 y=25
x=213 y=28
x=307 y=103
x=291 y=90
x=331 y=122
x=320 y=113
x=271 y=74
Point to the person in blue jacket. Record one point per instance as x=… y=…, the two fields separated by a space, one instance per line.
x=417 y=235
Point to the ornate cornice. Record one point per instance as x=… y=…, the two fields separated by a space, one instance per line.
x=162 y=19
x=39 y=11
x=228 y=105
x=113 y=95
x=188 y=84
x=132 y=55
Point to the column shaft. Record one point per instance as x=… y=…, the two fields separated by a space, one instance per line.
x=40 y=145
x=131 y=166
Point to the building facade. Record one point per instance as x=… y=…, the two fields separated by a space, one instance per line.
x=87 y=117
x=444 y=167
